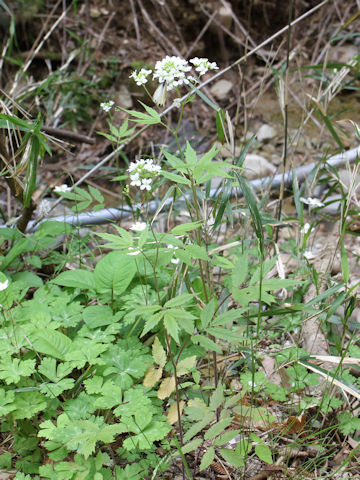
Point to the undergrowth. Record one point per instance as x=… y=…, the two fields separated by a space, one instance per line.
x=173 y=343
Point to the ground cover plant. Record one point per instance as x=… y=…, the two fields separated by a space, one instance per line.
x=163 y=314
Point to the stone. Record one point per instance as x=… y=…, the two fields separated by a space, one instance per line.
x=265 y=133
x=221 y=89
x=257 y=167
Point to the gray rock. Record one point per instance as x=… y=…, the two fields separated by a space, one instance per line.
x=266 y=132
x=257 y=167
x=221 y=89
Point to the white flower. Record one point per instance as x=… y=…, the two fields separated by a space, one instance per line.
x=160 y=93
x=252 y=384
x=175 y=261
x=309 y=255
x=62 y=188
x=4 y=285
x=107 y=106
x=142 y=173
x=172 y=247
x=133 y=251
x=140 y=77
x=314 y=202
x=306 y=228
x=146 y=184
x=138 y=227
x=202 y=65
x=171 y=70
x=177 y=103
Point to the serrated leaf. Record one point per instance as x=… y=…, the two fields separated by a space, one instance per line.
x=167 y=387
x=191 y=446
x=158 y=353
x=172 y=326
x=184 y=366
x=207 y=458
x=152 y=376
x=217 y=428
x=186 y=227
x=176 y=178
x=172 y=416
x=180 y=300
x=197 y=252
x=225 y=438
x=206 y=343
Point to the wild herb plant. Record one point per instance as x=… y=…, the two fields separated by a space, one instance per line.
x=112 y=371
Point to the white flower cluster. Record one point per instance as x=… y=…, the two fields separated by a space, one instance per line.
x=107 y=106
x=172 y=72
x=142 y=173
x=140 y=77
x=62 y=188
x=202 y=65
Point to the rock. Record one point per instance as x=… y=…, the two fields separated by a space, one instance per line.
x=225 y=15
x=265 y=132
x=124 y=97
x=257 y=167
x=221 y=89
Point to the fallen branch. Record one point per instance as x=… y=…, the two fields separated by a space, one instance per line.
x=109 y=215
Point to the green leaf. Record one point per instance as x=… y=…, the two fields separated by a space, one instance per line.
x=206 y=343
x=186 y=227
x=172 y=326
x=76 y=279
x=217 y=428
x=220 y=122
x=191 y=446
x=175 y=178
x=197 y=252
x=96 y=316
x=51 y=342
x=12 y=369
x=217 y=397
x=207 y=458
x=28 y=404
x=197 y=427
x=6 y=402
x=180 y=300
x=264 y=453
x=225 y=438
x=113 y=274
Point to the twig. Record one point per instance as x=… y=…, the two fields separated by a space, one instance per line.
x=68 y=135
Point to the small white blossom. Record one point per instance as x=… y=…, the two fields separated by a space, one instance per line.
x=306 y=228
x=133 y=251
x=252 y=384
x=4 y=285
x=175 y=261
x=309 y=255
x=177 y=103
x=61 y=188
x=202 y=65
x=138 y=227
x=146 y=184
x=314 y=202
x=140 y=77
x=172 y=247
x=107 y=106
